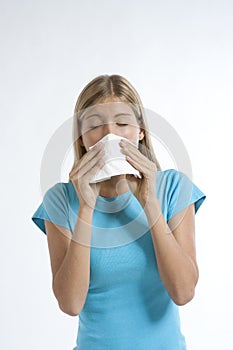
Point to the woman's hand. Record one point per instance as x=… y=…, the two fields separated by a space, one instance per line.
x=81 y=175
x=144 y=189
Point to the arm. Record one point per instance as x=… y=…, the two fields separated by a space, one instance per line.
x=70 y=261
x=174 y=245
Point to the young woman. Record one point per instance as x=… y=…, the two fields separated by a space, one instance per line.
x=122 y=250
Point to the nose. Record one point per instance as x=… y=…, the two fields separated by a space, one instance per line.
x=109 y=128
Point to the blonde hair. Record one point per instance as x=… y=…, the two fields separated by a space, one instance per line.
x=97 y=91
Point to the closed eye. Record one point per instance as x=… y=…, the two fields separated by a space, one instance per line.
x=94 y=127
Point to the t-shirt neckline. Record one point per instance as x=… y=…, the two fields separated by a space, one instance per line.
x=115 y=198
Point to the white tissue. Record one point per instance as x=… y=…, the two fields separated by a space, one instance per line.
x=115 y=161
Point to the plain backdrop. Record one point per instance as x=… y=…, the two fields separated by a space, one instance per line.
x=178 y=55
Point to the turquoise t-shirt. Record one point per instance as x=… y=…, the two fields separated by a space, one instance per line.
x=127 y=305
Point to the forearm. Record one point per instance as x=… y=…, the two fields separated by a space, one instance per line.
x=176 y=268
x=71 y=282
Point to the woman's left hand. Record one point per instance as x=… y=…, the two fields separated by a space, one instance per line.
x=144 y=189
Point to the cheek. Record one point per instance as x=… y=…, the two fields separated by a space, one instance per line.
x=89 y=140
x=133 y=135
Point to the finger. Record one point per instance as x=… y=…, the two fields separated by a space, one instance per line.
x=86 y=163
x=88 y=156
x=134 y=156
x=129 y=148
x=136 y=165
x=92 y=153
x=133 y=153
x=90 y=168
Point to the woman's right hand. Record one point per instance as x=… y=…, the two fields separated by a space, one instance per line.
x=81 y=175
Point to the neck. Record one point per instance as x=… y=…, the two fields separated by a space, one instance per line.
x=114 y=187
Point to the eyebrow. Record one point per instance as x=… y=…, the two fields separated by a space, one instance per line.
x=98 y=115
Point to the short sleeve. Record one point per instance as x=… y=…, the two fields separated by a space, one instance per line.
x=54 y=208
x=182 y=193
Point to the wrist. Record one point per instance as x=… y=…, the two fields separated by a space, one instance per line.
x=83 y=227
x=151 y=204
x=153 y=211
x=85 y=211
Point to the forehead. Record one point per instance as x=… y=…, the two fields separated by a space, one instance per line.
x=108 y=108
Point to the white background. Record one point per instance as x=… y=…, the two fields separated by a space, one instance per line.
x=178 y=55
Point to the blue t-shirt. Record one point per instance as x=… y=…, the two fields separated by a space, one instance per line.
x=127 y=305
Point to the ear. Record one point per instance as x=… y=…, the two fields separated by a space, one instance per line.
x=141 y=134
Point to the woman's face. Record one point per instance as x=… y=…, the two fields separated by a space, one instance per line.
x=114 y=117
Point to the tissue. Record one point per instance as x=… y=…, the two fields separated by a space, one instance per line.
x=115 y=161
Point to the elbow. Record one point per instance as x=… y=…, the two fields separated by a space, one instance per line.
x=182 y=299
x=183 y=296
x=68 y=310
x=67 y=307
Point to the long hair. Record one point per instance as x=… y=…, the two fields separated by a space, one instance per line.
x=95 y=92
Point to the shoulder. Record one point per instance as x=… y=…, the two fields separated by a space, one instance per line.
x=170 y=179
x=54 y=206
x=178 y=191
x=170 y=174
x=60 y=192
x=58 y=189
